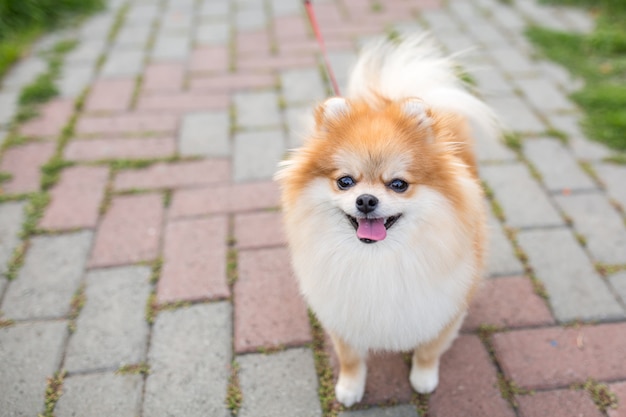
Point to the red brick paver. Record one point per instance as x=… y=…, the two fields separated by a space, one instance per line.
x=254 y=230
x=131 y=148
x=178 y=174
x=24 y=163
x=130 y=231
x=507 y=302
x=222 y=199
x=269 y=311
x=231 y=82
x=75 y=200
x=127 y=123
x=620 y=391
x=163 y=76
x=468 y=383
x=557 y=357
x=558 y=403
x=194 y=265
x=53 y=116
x=183 y=102
x=209 y=59
x=110 y=95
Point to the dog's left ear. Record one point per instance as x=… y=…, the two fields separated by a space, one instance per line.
x=330 y=110
x=416 y=109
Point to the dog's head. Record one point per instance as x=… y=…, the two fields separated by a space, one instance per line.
x=372 y=170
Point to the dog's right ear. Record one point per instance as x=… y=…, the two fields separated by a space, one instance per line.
x=330 y=110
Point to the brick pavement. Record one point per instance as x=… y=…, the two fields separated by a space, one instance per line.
x=154 y=271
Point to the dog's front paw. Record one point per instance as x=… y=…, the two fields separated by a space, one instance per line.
x=350 y=388
x=424 y=380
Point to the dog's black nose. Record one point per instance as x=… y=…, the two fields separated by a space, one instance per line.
x=366 y=203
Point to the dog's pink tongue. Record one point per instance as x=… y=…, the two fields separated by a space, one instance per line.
x=373 y=229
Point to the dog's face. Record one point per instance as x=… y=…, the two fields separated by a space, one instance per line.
x=371 y=171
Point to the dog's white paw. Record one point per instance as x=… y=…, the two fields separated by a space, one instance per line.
x=349 y=390
x=424 y=380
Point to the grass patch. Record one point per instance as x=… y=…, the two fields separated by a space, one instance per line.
x=509 y=390
x=134 y=369
x=54 y=390
x=39 y=91
x=513 y=141
x=76 y=305
x=599 y=58
x=601 y=395
x=326 y=389
x=234 y=396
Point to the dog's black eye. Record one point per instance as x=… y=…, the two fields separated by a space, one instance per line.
x=345 y=182
x=398 y=185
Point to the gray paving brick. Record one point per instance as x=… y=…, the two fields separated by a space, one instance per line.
x=87 y=51
x=141 y=13
x=501 y=259
x=612 y=176
x=24 y=72
x=516 y=114
x=558 y=168
x=171 y=46
x=97 y=26
x=8 y=106
x=212 y=9
x=74 y=79
x=281 y=384
x=134 y=36
x=618 y=282
x=439 y=20
x=97 y=395
x=30 y=352
x=177 y=19
x=123 y=62
x=506 y=17
x=11 y=218
x=111 y=329
x=458 y=42
x=302 y=85
x=205 y=134
x=213 y=33
x=524 y=203
x=491 y=82
x=488 y=148
x=406 y=410
x=255 y=109
x=298 y=120
x=583 y=148
x=562 y=77
x=512 y=60
x=181 y=5
x=256 y=154
x=286 y=7
x=543 y=95
x=602 y=227
x=575 y=289
x=189 y=358
x=250 y=19
x=342 y=63
x=482 y=31
x=51 y=273
x=578 y=20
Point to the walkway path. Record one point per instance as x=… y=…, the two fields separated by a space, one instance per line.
x=153 y=269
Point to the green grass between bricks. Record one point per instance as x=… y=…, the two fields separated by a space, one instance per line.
x=599 y=59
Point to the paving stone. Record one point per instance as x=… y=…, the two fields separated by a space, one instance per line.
x=123 y=63
x=618 y=282
x=506 y=17
x=232 y=82
x=524 y=203
x=512 y=60
x=183 y=102
x=487 y=34
x=87 y=52
x=53 y=116
x=205 y=134
x=111 y=330
x=257 y=109
x=52 y=270
x=558 y=168
x=394 y=411
x=194 y=266
x=212 y=9
x=129 y=232
x=97 y=26
x=110 y=95
x=212 y=33
x=620 y=391
x=302 y=86
x=501 y=258
x=491 y=82
x=210 y=59
x=342 y=63
x=97 y=395
x=163 y=76
x=179 y=174
x=170 y=47
x=280 y=384
x=225 y=199
x=488 y=149
x=560 y=77
x=253 y=43
x=8 y=106
x=507 y=303
x=544 y=95
x=256 y=154
x=259 y=229
x=127 y=123
x=299 y=120
x=467 y=383
x=250 y=19
x=23 y=163
x=75 y=200
x=516 y=114
x=269 y=311
x=31 y=352
x=190 y=355
x=574 y=287
x=557 y=357
x=600 y=224
x=558 y=403
x=24 y=72
x=612 y=176
x=74 y=79
x=285 y=7
x=111 y=149
x=133 y=36
x=11 y=218
x=274 y=63
x=578 y=20
x=140 y=13
x=178 y=18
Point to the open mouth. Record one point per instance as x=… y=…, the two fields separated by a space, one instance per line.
x=372 y=230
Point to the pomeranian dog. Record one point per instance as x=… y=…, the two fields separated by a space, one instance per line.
x=384 y=212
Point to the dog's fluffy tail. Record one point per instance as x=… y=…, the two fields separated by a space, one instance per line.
x=415 y=67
